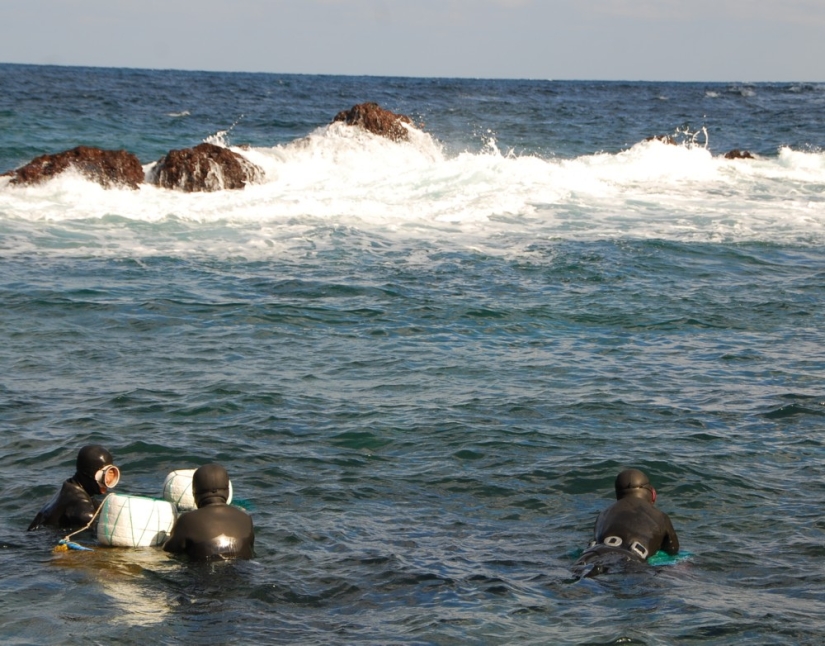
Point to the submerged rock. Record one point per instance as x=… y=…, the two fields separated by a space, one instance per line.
x=738 y=154
x=109 y=168
x=377 y=120
x=206 y=167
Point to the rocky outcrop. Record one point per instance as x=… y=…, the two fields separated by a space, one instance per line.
x=109 y=168
x=665 y=139
x=738 y=154
x=206 y=167
x=377 y=120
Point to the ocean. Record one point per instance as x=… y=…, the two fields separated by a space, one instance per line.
x=422 y=363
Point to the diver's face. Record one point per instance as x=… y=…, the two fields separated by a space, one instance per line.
x=107 y=477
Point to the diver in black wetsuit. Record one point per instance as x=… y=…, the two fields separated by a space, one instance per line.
x=214 y=530
x=73 y=506
x=631 y=529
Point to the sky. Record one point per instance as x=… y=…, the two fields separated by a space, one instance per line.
x=654 y=40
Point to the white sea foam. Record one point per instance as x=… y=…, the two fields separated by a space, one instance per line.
x=343 y=177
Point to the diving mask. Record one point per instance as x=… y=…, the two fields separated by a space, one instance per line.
x=107 y=477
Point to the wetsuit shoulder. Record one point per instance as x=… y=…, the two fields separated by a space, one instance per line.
x=633 y=520
x=670 y=542
x=214 y=531
x=70 y=508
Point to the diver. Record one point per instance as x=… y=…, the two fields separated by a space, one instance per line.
x=73 y=506
x=629 y=531
x=215 y=530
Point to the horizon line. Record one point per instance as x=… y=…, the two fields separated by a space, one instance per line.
x=406 y=76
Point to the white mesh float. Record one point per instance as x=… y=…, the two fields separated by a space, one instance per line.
x=177 y=489
x=135 y=521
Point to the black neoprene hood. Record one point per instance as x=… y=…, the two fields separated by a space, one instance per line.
x=91 y=458
x=210 y=483
x=632 y=482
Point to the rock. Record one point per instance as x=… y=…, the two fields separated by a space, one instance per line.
x=377 y=120
x=206 y=167
x=109 y=168
x=665 y=139
x=738 y=154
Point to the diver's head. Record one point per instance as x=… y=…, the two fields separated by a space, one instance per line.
x=96 y=472
x=632 y=482
x=210 y=485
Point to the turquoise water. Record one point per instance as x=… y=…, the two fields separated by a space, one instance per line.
x=422 y=365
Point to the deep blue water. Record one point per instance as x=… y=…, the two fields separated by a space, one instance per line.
x=422 y=364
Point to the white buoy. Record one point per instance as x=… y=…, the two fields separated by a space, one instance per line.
x=135 y=521
x=177 y=489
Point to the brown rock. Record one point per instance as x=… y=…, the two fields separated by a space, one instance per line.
x=738 y=154
x=665 y=139
x=106 y=167
x=377 y=120
x=206 y=167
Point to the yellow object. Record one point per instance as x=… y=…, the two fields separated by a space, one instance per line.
x=62 y=547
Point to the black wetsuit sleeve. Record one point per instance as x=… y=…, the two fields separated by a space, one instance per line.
x=176 y=543
x=670 y=543
x=71 y=507
x=80 y=514
x=51 y=512
x=37 y=523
